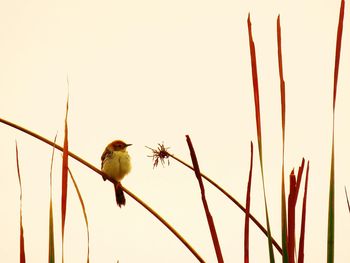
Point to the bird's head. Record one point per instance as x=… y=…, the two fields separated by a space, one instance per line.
x=118 y=145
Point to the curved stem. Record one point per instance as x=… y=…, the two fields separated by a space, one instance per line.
x=257 y=223
x=132 y=195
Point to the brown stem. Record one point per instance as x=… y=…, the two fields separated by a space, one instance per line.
x=210 y=219
x=132 y=195
x=257 y=223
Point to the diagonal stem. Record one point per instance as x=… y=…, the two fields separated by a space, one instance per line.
x=132 y=195
x=237 y=203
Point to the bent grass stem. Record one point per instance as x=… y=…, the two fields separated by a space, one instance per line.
x=132 y=195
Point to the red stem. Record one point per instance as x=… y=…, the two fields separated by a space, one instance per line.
x=204 y=201
x=246 y=224
x=291 y=217
x=303 y=219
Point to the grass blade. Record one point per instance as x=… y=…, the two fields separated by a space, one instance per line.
x=292 y=201
x=204 y=201
x=258 y=129
x=300 y=173
x=337 y=51
x=347 y=199
x=303 y=219
x=22 y=255
x=282 y=83
x=330 y=235
x=84 y=212
x=247 y=211
x=291 y=217
x=51 y=258
x=283 y=115
x=64 y=178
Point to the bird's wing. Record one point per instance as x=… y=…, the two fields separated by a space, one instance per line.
x=104 y=155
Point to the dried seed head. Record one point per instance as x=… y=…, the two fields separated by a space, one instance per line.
x=159 y=154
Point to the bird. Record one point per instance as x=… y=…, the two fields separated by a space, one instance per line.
x=115 y=163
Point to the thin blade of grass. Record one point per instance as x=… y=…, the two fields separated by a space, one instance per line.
x=51 y=257
x=330 y=234
x=347 y=198
x=303 y=219
x=282 y=83
x=291 y=216
x=246 y=224
x=299 y=177
x=283 y=115
x=204 y=201
x=255 y=86
x=84 y=212
x=258 y=129
x=337 y=51
x=284 y=219
x=22 y=255
x=292 y=201
x=64 y=178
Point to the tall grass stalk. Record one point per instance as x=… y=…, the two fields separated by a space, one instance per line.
x=331 y=208
x=303 y=219
x=283 y=117
x=51 y=256
x=246 y=223
x=347 y=199
x=64 y=178
x=22 y=255
x=210 y=219
x=258 y=130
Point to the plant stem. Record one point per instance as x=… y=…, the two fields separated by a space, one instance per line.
x=132 y=195
x=238 y=204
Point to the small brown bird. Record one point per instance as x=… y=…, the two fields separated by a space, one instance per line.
x=116 y=164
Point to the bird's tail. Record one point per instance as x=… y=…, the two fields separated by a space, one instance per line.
x=119 y=194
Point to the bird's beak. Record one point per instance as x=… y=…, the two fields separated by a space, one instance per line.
x=128 y=144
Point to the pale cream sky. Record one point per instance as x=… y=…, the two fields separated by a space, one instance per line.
x=153 y=71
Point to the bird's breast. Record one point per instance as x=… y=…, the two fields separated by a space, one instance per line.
x=117 y=165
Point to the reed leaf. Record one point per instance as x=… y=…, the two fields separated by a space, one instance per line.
x=347 y=199
x=258 y=129
x=51 y=257
x=247 y=211
x=330 y=234
x=22 y=255
x=204 y=201
x=64 y=178
x=303 y=219
x=283 y=116
x=291 y=216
